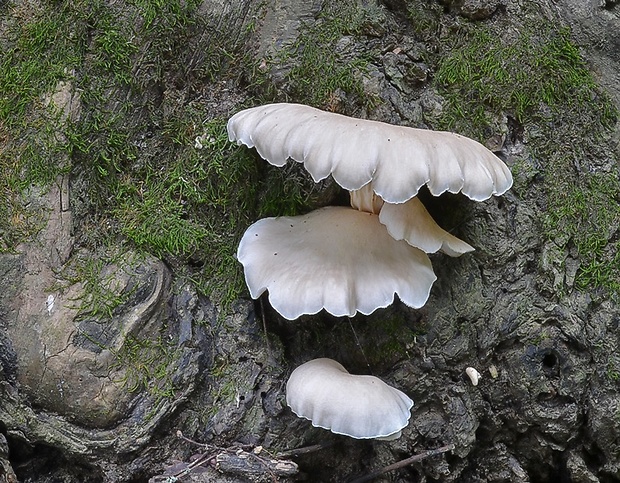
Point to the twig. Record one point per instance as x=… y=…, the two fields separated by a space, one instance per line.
x=185 y=438
x=205 y=458
x=262 y=315
x=403 y=463
x=246 y=463
x=359 y=345
x=305 y=450
x=236 y=459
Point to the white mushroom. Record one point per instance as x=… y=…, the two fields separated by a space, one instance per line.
x=398 y=160
x=361 y=407
x=409 y=221
x=383 y=166
x=334 y=258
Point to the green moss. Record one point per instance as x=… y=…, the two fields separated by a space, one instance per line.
x=425 y=19
x=320 y=71
x=537 y=77
x=226 y=380
x=148 y=365
x=612 y=373
x=143 y=177
x=99 y=275
x=37 y=52
x=161 y=17
x=588 y=213
x=523 y=76
x=392 y=336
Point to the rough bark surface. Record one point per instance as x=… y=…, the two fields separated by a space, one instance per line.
x=547 y=405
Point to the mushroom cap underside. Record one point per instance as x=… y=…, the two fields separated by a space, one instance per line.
x=334 y=258
x=358 y=406
x=398 y=160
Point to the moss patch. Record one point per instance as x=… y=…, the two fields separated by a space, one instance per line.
x=148 y=365
x=525 y=76
x=322 y=69
x=37 y=52
x=149 y=156
x=537 y=78
x=587 y=213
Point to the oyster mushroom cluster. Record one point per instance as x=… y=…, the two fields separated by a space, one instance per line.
x=348 y=260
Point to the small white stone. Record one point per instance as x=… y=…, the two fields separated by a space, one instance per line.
x=473 y=375
x=49 y=303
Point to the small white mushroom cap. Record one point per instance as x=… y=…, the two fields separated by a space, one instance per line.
x=410 y=221
x=334 y=258
x=397 y=159
x=361 y=407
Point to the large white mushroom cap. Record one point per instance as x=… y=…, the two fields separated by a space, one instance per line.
x=362 y=407
x=398 y=160
x=334 y=258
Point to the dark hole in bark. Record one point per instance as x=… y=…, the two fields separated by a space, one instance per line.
x=550 y=360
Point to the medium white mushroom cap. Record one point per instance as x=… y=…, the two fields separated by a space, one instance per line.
x=334 y=258
x=361 y=407
x=409 y=221
x=398 y=160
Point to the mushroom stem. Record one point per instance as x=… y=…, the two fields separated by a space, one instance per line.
x=365 y=199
